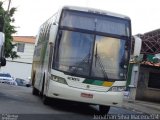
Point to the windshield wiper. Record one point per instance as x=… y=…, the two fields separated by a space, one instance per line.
x=86 y=58
x=97 y=58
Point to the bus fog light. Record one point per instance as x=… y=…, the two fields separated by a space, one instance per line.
x=58 y=79
x=117 y=88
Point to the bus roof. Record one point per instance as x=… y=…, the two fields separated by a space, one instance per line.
x=93 y=10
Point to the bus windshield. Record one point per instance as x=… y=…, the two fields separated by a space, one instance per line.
x=92 y=54
x=76 y=51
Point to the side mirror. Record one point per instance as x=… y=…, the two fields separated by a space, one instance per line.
x=135 y=55
x=137 y=46
x=3 y=61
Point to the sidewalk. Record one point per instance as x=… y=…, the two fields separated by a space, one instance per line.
x=142 y=106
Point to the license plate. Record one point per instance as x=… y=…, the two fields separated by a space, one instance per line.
x=86 y=95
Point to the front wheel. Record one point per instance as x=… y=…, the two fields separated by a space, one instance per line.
x=104 y=109
x=35 y=91
x=46 y=100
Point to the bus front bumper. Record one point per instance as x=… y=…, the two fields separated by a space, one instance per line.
x=62 y=91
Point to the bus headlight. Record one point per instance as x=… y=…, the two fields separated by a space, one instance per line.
x=58 y=79
x=117 y=88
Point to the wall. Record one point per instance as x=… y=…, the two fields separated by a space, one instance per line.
x=18 y=70
x=144 y=92
x=26 y=56
x=21 y=67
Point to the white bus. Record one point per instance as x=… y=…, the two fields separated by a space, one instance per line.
x=82 y=55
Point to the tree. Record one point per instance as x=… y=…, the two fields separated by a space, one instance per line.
x=6 y=20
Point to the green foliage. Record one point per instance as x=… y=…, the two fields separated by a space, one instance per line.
x=8 y=29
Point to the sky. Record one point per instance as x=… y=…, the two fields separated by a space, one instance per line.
x=30 y=14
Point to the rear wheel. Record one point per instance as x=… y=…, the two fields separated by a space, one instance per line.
x=104 y=109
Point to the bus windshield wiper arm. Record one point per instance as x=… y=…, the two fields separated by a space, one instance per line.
x=86 y=58
x=97 y=58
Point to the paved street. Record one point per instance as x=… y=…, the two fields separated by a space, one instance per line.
x=19 y=100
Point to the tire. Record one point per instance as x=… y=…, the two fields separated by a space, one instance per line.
x=28 y=85
x=35 y=91
x=46 y=100
x=104 y=109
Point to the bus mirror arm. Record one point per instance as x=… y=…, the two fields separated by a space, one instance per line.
x=54 y=23
x=50 y=43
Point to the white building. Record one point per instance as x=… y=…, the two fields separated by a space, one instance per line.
x=21 y=67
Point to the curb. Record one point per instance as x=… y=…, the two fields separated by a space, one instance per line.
x=140 y=107
x=133 y=109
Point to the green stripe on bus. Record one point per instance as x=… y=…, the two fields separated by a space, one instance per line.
x=93 y=82
x=88 y=81
x=98 y=82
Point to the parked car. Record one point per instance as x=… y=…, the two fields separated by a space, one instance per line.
x=22 y=82
x=7 y=78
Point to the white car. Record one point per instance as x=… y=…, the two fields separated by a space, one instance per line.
x=22 y=82
x=7 y=79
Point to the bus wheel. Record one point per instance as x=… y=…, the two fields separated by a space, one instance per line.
x=46 y=100
x=104 y=109
x=35 y=91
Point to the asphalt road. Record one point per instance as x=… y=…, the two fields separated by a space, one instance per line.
x=18 y=103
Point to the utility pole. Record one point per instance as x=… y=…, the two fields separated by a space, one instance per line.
x=8 y=6
x=6 y=15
